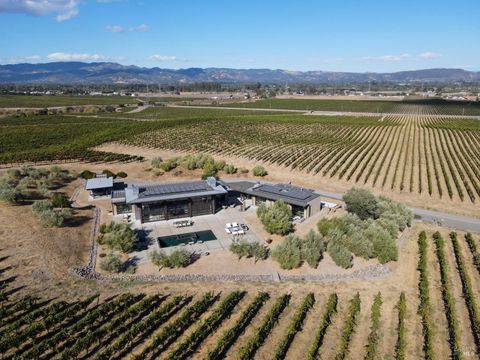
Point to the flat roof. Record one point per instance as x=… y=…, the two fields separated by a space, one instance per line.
x=291 y=194
x=99 y=183
x=171 y=191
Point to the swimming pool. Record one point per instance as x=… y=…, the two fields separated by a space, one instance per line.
x=175 y=240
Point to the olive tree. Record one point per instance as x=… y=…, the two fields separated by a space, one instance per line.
x=361 y=202
x=118 y=237
x=276 y=218
x=111 y=263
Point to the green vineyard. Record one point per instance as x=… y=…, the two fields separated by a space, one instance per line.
x=426 y=153
x=411 y=154
x=236 y=324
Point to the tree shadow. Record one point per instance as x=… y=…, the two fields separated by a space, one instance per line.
x=6 y=281
x=5 y=269
x=77 y=221
x=15 y=290
x=144 y=239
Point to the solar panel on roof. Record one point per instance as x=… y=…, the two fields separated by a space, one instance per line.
x=175 y=188
x=287 y=191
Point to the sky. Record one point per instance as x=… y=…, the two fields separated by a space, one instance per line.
x=340 y=35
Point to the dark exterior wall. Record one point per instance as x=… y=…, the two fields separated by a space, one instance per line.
x=209 y=208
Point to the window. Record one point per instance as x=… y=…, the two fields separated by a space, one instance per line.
x=153 y=212
x=178 y=209
x=123 y=208
x=202 y=206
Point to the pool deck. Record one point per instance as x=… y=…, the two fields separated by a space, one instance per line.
x=215 y=223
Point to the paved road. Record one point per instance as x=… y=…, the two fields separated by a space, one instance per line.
x=459 y=222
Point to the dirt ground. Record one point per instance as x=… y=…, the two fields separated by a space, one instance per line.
x=40 y=258
x=281 y=174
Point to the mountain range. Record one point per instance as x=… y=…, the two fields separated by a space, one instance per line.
x=113 y=73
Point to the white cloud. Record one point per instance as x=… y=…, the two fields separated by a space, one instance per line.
x=60 y=56
x=387 y=57
x=114 y=28
x=63 y=9
x=157 y=57
x=428 y=55
x=30 y=58
x=121 y=29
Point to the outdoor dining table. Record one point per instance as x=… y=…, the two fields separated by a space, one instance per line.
x=236 y=230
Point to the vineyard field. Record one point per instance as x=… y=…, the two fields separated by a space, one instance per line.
x=410 y=154
x=440 y=295
x=42 y=101
x=417 y=107
x=436 y=157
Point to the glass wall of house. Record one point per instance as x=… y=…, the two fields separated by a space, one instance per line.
x=202 y=206
x=178 y=209
x=259 y=200
x=153 y=212
x=123 y=209
x=297 y=210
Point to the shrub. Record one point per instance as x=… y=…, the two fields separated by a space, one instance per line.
x=340 y=255
x=10 y=193
x=178 y=258
x=259 y=171
x=108 y=173
x=87 y=174
x=396 y=212
x=276 y=218
x=60 y=200
x=325 y=225
x=230 y=169
x=122 y=174
x=243 y=170
x=209 y=170
x=359 y=244
x=159 y=259
x=240 y=248
x=312 y=248
x=111 y=263
x=219 y=164
x=246 y=249
x=156 y=161
x=288 y=253
x=50 y=218
x=42 y=205
x=384 y=246
x=168 y=165
x=361 y=202
x=119 y=237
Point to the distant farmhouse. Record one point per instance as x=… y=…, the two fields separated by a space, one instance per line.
x=166 y=201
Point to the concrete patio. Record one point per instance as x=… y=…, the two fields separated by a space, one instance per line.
x=149 y=232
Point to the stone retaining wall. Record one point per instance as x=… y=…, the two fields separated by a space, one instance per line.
x=88 y=271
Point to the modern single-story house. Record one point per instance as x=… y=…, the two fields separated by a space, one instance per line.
x=169 y=200
x=99 y=186
x=303 y=202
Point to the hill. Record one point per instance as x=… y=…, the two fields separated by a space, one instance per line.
x=113 y=73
